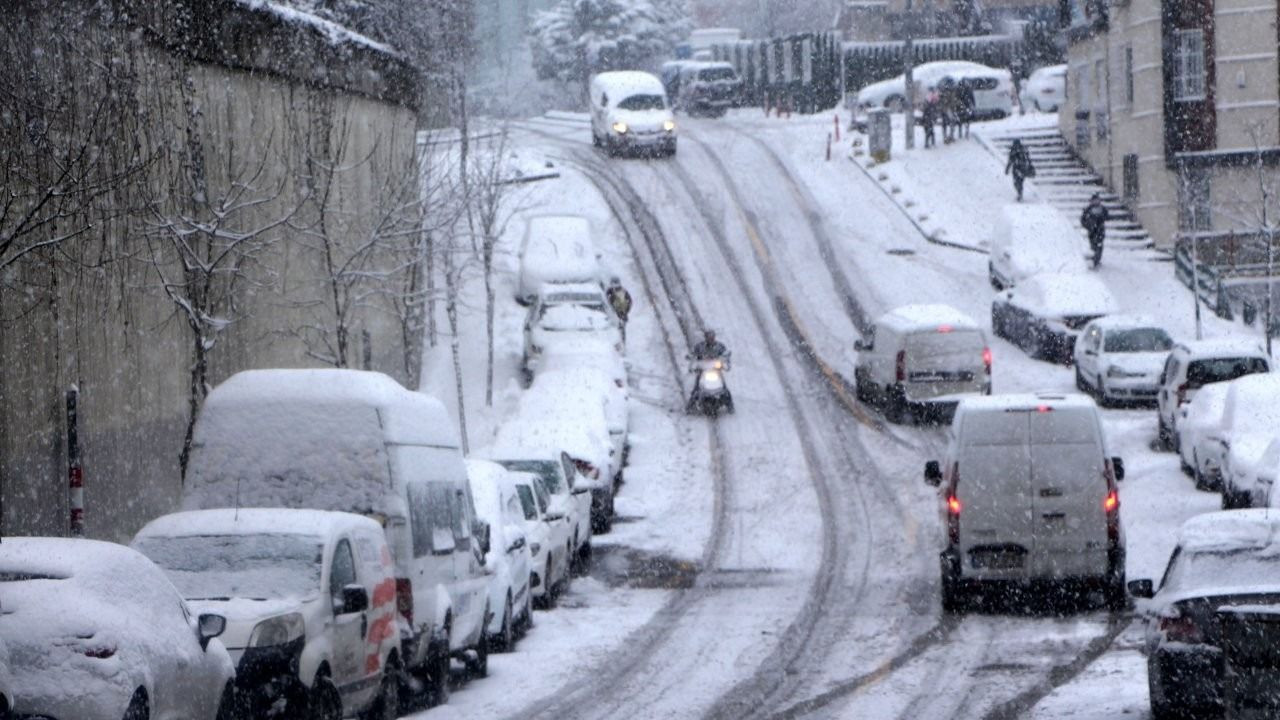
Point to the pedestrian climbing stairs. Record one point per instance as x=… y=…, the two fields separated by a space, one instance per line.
x=1064 y=181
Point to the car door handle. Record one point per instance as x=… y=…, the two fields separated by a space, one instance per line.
x=364 y=625
x=1053 y=515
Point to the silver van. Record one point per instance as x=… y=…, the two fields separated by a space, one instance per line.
x=1028 y=494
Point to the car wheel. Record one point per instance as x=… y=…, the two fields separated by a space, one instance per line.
x=895 y=406
x=549 y=591
x=1080 y=385
x=1187 y=470
x=527 y=622
x=860 y=388
x=954 y=598
x=478 y=666
x=387 y=705
x=895 y=104
x=505 y=640
x=139 y=708
x=1164 y=438
x=438 y=680
x=1202 y=481
x=324 y=702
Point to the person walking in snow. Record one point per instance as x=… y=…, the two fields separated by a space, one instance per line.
x=965 y=104
x=947 y=101
x=1019 y=166
x=620 y=300
x=928 y=118
x=1094 y=221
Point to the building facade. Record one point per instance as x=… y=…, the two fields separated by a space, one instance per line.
x=1176 y=104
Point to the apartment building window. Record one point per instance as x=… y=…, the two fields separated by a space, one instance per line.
x=1131 y=177
x=1128 y=75
x=1194 y=213
x=1188 y=65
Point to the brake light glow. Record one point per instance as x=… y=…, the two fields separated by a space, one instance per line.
x=986 y=359
x=404 y=598
x=1181 y=629
x=1112 y=503
x=944 y=328
x=953 y=505
x=900 y=373
x=1044 y=408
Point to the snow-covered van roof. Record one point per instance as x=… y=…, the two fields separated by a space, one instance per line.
x=1223 y=347
x=909 y=318
x=625 y=83
x=1025 y=401
x=255 y=521
x=1230 y=530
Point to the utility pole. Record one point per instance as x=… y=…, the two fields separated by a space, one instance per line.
x=908 y=61
x=1266 y=226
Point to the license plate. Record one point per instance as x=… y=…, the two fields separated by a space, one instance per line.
x=998 y=559
x=942 y=376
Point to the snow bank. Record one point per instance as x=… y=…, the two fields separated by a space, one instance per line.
x=1230 y=530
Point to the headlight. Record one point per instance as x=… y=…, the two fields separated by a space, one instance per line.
x=535 y=548
x=1115 y=372
x=669 y=125
x=620 y=128
x=277 y=630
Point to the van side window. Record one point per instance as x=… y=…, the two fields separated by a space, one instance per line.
x=461 y=520
x=420 y=515
x=343 y=572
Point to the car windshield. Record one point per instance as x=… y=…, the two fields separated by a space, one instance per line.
x=548 y=470
x=258 y=567
x=1140 y=340
x=643 y=102
x=717 y=74
x=1203 y=372
x=1223 y=569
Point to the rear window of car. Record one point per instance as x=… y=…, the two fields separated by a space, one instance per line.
x=643 y=102
x=715 y=74
x=1212 y=370
x=1224 y=568
x=1138 y=340
x=980 y=83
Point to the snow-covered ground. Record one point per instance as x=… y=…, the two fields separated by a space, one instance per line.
x=804 y=531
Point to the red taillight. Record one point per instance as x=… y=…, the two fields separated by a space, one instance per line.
x=1181 y=629
x=944 y=328
x=986 y=360
x=99 y=653
x=404 y=598
x=1112 y=503
x=900 y=373
x=587 y=469
x=953 y=506
x=1182 y=393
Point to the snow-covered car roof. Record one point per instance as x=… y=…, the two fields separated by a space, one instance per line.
x=927 y=316
x=86 y=563
x=1126 y=322
x=1026 y=401
x=578 y=351
x=980 y=71
x=557 y=413
x=573 y=317
x=1206 y=404
x=1049 y=70
x=1045 y=241
x=1255 y=528
x=557 y=226
x=553 y=292
x=1223 y=347
x=1253 y=402
x=486 y=477
x=1069 y=294
x=623 y=83
x=256 y=521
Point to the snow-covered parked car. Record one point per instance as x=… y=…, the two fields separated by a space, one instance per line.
x=508 y=559
x=1197 y=419
x=1044 y=313
x=95 y=631
x=598 y=364
x=1029 y=239
x=358 y=441
x=310 y=602
x=520 y=447
x=629 y=111
x=1046 y=89
x=892 y=93
x=992 y=90
x=1029 y=496
x=708 y=88
x=1192 y=365
x=1222 y=559
x=556 y=249
x=1250 y=420
x=568 y=313
x=918 y=361
x=547 y=535
x=1118 y=358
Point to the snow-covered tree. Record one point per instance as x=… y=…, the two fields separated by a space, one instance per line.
x=577 y=37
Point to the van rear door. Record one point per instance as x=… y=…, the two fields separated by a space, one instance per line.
x=1069 y=488
x=943 y=362
x=992 y=483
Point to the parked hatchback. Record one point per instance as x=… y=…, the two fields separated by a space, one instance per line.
x=310 y=602
x=1044 y=314
x=1046 y=89
x=1028 y=497
x=1196 y=421
x=547 y=533
x=507 y=562
x=1192 y=365
x=1119 y=358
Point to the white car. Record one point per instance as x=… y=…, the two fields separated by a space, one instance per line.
x=892 y=93
x=1118 y=358
x=1029 y=239
x=1198 y=418
x=992 y=90
x=547 y=535
x=1046 y=89
x=568 y=313
x=629 y=111
x=596 y=362
x=556 y=249
x=508 y=559
x=309 y=597
x=95 y=631
x=566 y=498
x=1192 y=365
x=1044 y=313
x=1250 y=419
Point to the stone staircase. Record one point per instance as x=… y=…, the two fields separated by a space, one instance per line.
x=1065 y=182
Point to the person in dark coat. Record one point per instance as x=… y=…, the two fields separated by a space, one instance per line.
x=928 y=118
x=946 y=107
x=620 y=300
x=1094 y=221
x=965 y=106
x=1019 y=166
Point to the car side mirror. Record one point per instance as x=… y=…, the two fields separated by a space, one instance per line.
x=208 y=627
x=354 y=599
x=933 y=473
x=1117 y=466
x=516 y=545
x=1143 y=589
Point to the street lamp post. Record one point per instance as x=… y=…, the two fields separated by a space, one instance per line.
x=908 y=60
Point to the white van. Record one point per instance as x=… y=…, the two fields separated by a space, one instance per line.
x=629 y=111
x=1029 y=494
x=1030 y=239
x=556 y=249
x=357 y=441
x=920 y=360
x=309 y=598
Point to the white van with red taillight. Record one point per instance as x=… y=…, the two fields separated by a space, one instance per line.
x=918 y=361
x=309 y=600
x=358 y=441
x=1029 y=498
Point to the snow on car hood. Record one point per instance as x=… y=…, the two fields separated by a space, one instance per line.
x=1148 y=363
x=573 y=317
x=1247 y=449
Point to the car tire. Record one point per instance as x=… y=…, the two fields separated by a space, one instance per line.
x=438 y=680
x=478 y=666
x=526 y=624
x=895 y=409
x=549 y=589
x=505 y=639
x=139 y=708
x=324 y=702
x=1188 y=470
x=1164 y=437
x=1080 y=384
x=860 y=388
x=387 y=705
x=954 y=597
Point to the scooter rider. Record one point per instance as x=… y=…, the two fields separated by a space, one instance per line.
x=708 y=350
